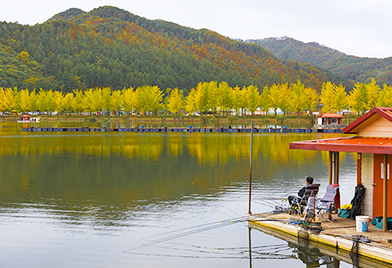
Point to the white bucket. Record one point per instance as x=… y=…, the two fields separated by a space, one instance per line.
x=362 y=223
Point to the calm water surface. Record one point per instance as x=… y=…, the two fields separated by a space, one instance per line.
x=149 y=200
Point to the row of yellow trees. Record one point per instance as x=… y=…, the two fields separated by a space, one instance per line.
x=205 y=97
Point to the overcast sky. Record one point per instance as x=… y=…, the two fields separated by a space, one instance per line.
x=355 y=27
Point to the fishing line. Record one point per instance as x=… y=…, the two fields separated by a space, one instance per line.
x=196 y=226
x=273 y=203
x=222 y=224
x=241 y=206
x=230 y=210
x=268 y=256
x=223 y=248
x=225 y=251
x=206 y=228
x=264 y=202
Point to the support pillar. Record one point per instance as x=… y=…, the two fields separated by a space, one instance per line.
x=336 y=168
x=337 y=197
x=359 y=168
x=385 y=192
x=330 y=168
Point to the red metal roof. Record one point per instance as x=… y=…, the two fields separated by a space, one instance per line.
x=348 y=144
x=331 y=116
x=368 y=118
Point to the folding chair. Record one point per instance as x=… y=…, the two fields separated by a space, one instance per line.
x=311 y=191
x=302 y=202
x=325 y=203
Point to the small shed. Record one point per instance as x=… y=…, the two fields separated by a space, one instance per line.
x=25 y=118
x=373 y=145
x=331 y=120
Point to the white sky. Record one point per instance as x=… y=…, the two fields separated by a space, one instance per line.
x=355 y=27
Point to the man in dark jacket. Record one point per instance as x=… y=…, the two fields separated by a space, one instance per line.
x=309 y=180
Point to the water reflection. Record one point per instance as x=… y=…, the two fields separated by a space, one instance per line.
x=312 y=254
x=100 y=194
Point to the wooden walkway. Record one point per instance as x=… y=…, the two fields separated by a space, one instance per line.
x=189 y=130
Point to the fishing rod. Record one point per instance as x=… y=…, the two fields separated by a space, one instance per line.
x=273 y=201
x=276 y=207
x=265 y=203
x=358 y=238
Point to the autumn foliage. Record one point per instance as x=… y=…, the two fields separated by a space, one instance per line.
x=110 y=47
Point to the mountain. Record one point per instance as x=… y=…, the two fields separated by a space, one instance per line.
x=355 y=69
x=66 y=15
x=109 y=46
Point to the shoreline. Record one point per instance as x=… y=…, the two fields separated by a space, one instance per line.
x=289 y=121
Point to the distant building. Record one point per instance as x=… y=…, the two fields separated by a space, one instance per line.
x=332 y=120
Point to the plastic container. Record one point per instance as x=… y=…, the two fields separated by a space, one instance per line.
x=362 y=223
x=365 y=226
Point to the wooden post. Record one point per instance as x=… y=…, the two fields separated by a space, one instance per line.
x=250 y=170
x=336 y=167
x=359 y=168
x=385 y=197
x=330 y=168
x=250 y=248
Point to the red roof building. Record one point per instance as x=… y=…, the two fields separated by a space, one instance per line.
x=373 y=145
x=330 y=120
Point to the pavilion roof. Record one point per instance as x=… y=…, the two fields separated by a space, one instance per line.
x=368 y=118
x=347 y=144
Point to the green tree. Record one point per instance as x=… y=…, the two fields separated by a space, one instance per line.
x=201 y=98
x=340 y=98
x=58 y=98
x=224 y=96
x=358 y=98
x=297 y=94
x=78 y=104
x=252 y=98
x=190 y=102
x=311 y=99
x=265 y=102
x=372 y=94
x=130 y=99
x=284 y=97
x=236 y=99
x=274 y=97
x=327 y=97
x=116 y=100
x=7 y=99
x=156 y=98
x=106 y=100
x=175 y=101
x=25 y=101
x=385 y=99
x=67 y=104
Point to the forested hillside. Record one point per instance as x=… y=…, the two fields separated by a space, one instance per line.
x=112 y=47
x=355 y=69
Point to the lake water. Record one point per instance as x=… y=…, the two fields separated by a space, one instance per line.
x=150 y=199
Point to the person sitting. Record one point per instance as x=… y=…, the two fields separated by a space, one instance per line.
x=301 y=192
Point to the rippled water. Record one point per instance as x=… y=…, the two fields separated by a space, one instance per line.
x=149 y=200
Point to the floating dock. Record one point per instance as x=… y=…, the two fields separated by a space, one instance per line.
x=189 y=130
x=335 y=237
